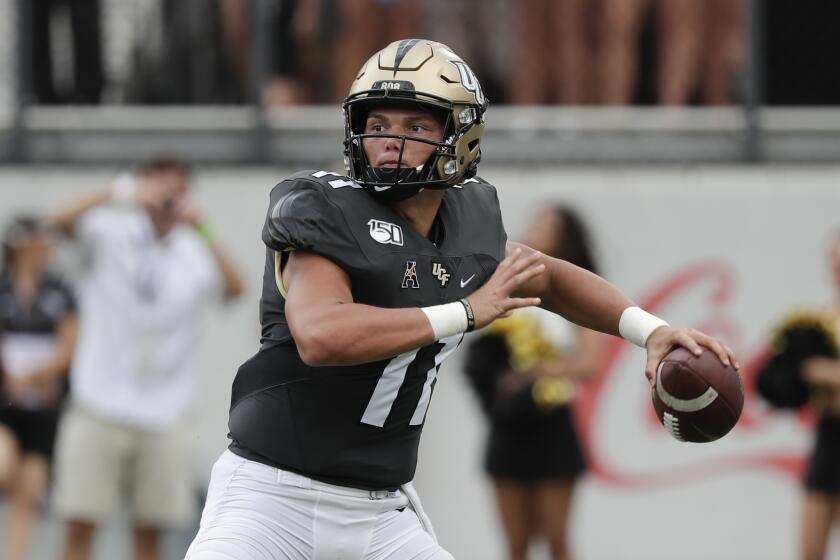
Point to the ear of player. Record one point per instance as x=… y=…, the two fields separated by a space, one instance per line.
x=697 y=398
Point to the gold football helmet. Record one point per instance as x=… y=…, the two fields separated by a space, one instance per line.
x=426 y=73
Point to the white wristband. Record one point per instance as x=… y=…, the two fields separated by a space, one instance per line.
x=636 y=324
x=447 y=319
x=123 y=189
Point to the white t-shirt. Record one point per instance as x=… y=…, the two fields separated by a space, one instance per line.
x=139 y=307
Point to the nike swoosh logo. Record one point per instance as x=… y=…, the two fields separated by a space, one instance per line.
x=467 y=281
x=380 y=189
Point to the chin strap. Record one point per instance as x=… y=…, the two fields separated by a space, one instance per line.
x=393 y=184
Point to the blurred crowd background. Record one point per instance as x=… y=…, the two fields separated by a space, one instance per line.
x=286 y=52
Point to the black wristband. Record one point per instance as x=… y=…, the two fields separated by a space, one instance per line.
x=470 y=315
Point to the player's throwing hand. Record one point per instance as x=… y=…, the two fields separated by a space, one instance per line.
x=665 y=338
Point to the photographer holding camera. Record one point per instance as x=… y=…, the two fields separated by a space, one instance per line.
x=153 y=264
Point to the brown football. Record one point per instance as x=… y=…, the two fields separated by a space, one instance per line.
x=697 y=398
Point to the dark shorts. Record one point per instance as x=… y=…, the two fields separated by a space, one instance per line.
x=824 y=466
x=544 y=449
x=34 y=429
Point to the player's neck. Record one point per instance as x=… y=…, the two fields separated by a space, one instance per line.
x=420 y=210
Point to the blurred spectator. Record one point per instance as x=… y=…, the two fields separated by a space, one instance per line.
x=524 y=369
x=805 y=368
x=554 y=52
x=85 y=28
x=619 y=29
x=154 y=263
x=235 y=37
x=293 y=29
x=465 y=31
x=192 y=52
x=37 y=335
x=700 y=47
x=680 y=28
x=297 y=28
x=365 y=26
x=724 y=49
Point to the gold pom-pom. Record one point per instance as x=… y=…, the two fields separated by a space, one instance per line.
x=550 y=393
x=525 y=343
x=804 y=320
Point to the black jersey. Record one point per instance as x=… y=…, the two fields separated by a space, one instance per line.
x=357 y=425
x=53 y=302
x=28 y=331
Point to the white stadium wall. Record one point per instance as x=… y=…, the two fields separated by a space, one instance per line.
x=728 y=249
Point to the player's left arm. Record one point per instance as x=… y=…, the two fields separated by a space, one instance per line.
x=590 y=301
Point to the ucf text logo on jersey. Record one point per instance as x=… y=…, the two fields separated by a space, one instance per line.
x=440 y=273
x=410 y=277
x=386 y=232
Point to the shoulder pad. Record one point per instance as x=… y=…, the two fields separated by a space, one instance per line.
x=477 y=187
x=302 y=216
x=480 y=203
x=326 y=178
x=471 y=181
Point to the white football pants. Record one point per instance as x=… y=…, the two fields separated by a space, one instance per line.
x=254 y=511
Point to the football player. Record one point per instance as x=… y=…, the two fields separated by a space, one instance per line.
x=371 y=280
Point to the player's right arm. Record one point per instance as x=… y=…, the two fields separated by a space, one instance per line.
x=329 y=328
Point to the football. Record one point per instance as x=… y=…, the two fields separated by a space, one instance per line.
x=697 y=398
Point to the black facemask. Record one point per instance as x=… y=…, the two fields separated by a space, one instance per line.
x=393 y=184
